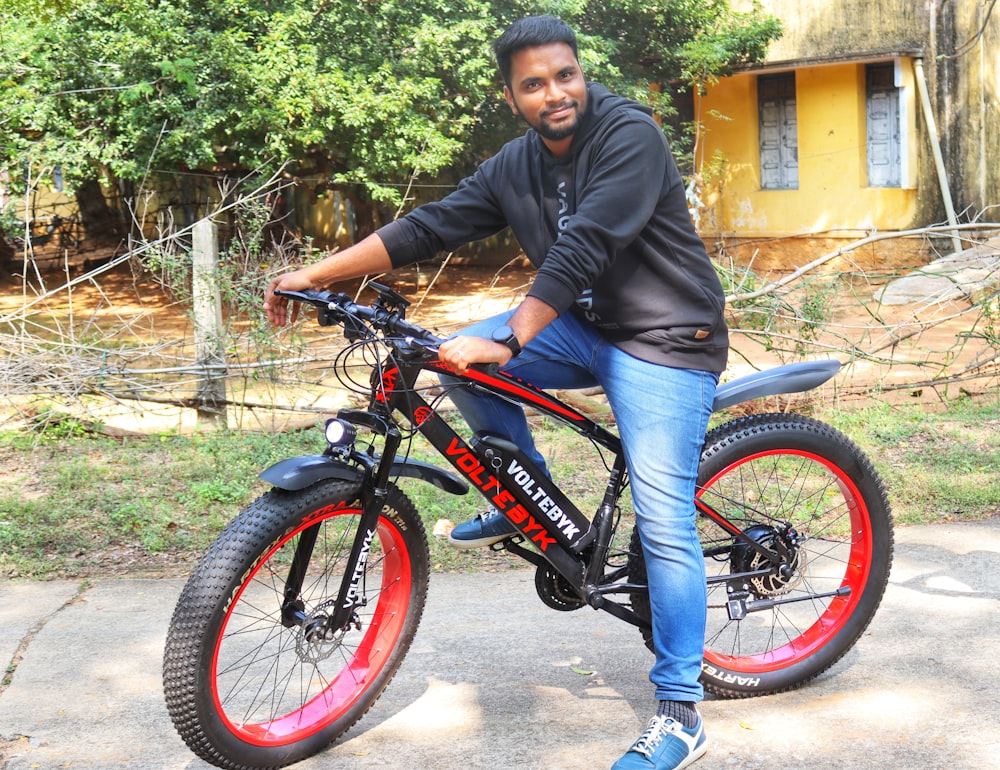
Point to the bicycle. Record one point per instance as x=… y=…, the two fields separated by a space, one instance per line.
x=299 y=614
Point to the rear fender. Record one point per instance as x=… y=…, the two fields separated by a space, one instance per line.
x=790 y=378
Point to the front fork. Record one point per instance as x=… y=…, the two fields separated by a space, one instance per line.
x=374 y=491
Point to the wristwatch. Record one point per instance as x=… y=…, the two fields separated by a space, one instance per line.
x=505 y=336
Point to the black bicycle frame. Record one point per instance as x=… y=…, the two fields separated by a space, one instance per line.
x=504 y=475
x=566 y=540
x=573 y=544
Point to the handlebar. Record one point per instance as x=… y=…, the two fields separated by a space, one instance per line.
x=386 y=315
x=360 y=322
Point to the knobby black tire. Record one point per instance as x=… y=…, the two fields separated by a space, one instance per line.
x=762 y=472
x=244 y=689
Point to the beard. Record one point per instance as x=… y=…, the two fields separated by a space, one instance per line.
x=564 y=130
x=551 y=131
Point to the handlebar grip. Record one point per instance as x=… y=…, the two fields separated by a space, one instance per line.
x=491 y=369
x=340 y=308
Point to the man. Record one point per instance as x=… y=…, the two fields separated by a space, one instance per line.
x=625 y=297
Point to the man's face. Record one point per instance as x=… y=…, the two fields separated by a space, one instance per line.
x=548 y=90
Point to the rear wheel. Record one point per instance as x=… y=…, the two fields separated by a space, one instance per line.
x=797 y=535
x=253 y=680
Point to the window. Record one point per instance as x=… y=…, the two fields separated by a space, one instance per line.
x=779 y=142
x=882 y=108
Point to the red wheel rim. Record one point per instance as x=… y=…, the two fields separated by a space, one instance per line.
x=357 y=667
x=840 y=609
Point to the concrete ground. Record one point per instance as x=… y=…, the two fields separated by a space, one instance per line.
x=495 y=680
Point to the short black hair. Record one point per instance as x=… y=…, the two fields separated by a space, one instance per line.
x=530 y=32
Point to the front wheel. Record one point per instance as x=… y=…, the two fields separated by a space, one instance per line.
x=255 y=680
x=796 y=532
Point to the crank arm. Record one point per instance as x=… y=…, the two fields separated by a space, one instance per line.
x=620 y=611
x=619 y=588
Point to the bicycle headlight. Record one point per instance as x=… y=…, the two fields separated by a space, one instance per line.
x=340 y=432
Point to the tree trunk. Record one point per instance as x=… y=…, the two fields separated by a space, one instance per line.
x=366 y=214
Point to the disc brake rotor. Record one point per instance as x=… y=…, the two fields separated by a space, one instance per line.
x=316 y=641
x=781 y=578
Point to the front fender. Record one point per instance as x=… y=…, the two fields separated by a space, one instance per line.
x=297 y=473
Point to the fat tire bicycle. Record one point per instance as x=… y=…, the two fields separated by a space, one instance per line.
x=299 y=614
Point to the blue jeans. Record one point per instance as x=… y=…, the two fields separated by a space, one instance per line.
x=662 y=415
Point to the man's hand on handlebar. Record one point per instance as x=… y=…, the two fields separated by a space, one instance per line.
x=461 y=352
x=278 y=309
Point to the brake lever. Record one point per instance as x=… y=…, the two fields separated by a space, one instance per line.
x=309 y=297
x=417 y=348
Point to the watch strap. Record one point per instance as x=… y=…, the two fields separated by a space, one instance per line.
x=505 y=336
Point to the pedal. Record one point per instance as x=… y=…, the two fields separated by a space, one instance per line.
x=501 y=545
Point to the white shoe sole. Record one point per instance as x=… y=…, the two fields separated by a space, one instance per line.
x=468 y=545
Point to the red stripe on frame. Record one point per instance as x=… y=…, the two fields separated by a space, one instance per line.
x=525 y=390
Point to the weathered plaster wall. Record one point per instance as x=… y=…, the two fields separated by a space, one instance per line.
x=833 y=193
x=964 y=94
x=967 y=91
x=831 y=27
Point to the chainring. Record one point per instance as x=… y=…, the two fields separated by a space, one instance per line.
x=555 y=591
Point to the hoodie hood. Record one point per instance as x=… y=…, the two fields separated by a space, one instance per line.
x=600 y=103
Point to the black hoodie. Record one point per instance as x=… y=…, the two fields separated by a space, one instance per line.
x=606 y=225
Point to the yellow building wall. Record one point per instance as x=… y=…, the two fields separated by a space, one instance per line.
x=833 y=196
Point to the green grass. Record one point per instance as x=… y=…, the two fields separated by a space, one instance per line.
x=73 y=504
x=76 y=504
x=938 y=465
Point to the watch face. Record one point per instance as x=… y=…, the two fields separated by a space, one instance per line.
x=502 y=334
x=505 y=336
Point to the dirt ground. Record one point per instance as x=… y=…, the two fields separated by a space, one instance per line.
x=125 y=315
x=446 y=297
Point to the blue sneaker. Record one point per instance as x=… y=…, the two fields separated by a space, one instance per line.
x=666 y=745
x=487 y=528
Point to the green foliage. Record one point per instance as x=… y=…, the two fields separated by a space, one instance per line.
x=728 y=39
x=367 y=88
x=53 y=424
x=367 y=91
x=988 y=326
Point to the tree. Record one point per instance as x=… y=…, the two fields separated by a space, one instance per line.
x=367 y=92
x=654 y=51
x=361 y=89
